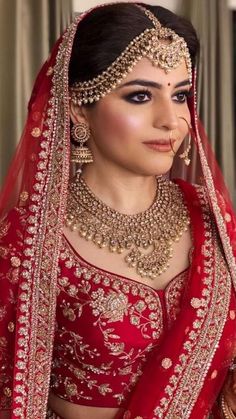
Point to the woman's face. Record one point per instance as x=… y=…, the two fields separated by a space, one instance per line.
x=132 y=126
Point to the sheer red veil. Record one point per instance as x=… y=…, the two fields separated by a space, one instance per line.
x=38 y=179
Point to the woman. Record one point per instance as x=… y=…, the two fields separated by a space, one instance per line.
x=117 y=281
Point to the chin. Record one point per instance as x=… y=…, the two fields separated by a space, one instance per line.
x=157 y=169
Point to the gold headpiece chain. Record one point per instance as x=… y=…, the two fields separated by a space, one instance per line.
x=148 y=44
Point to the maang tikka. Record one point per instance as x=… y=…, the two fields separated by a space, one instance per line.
x=80 y=154
x=161 y=45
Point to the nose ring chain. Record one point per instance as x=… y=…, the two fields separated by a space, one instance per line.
x=185 y=154
x=171 y=145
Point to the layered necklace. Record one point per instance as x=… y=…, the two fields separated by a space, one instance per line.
x=145 y=239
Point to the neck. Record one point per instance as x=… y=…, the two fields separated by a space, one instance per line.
x=126 y=193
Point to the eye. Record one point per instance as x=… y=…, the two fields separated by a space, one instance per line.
x=139 y=97
x=181 y=97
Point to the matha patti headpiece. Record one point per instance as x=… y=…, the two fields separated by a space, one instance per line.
x=167 y=55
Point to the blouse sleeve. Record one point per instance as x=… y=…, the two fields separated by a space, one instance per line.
x=11 y=244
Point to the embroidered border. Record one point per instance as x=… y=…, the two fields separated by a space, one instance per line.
x=49 y=242
x=37 y=307
x=213 y=197
x=203 y=338
x=27 y=327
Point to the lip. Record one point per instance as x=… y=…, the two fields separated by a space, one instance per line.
x=160 y=145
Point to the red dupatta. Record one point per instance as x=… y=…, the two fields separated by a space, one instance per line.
x=187 y=371
x=198 y=348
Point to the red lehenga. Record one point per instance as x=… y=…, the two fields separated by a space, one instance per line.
x=183 y=375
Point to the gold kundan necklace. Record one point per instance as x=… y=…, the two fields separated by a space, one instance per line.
x=146 y=237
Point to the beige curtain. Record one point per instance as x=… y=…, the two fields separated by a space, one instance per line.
x=28 y=29
x=213 y=22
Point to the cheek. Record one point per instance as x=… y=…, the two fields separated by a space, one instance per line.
x=119 y=123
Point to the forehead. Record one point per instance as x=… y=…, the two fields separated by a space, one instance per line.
x=146 y=70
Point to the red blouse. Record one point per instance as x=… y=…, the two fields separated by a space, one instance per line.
x=107 y=326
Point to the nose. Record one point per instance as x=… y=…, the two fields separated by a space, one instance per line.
x=165 y=115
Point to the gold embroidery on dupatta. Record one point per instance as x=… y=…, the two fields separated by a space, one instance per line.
x=11 y=255
x=5 y=378
x=203 y=338
x=220 y=218
x=4 y=227
x=37 y=298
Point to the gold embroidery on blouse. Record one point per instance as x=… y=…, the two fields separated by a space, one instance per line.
x=109 y=305
x=173 y=297
x=114 y=304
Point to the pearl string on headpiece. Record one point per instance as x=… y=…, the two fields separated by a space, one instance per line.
x=148 y=45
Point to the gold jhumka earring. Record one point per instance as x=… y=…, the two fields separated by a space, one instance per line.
x=185 y=154
x=80 y=154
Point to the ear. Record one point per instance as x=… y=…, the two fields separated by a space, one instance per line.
x=77 y=114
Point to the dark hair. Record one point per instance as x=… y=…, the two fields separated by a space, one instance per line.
x=106 y=31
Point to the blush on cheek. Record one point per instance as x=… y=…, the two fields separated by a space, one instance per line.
x=122 y=124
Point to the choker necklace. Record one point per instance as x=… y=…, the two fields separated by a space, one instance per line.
x=146 y=237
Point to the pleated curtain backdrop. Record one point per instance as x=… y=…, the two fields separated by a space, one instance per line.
x=213 y=22
x=28 y=29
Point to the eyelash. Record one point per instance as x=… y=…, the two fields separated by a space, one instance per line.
x=130 y=96
x=186 y=93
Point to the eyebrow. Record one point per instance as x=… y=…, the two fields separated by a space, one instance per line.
x=148 y=83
